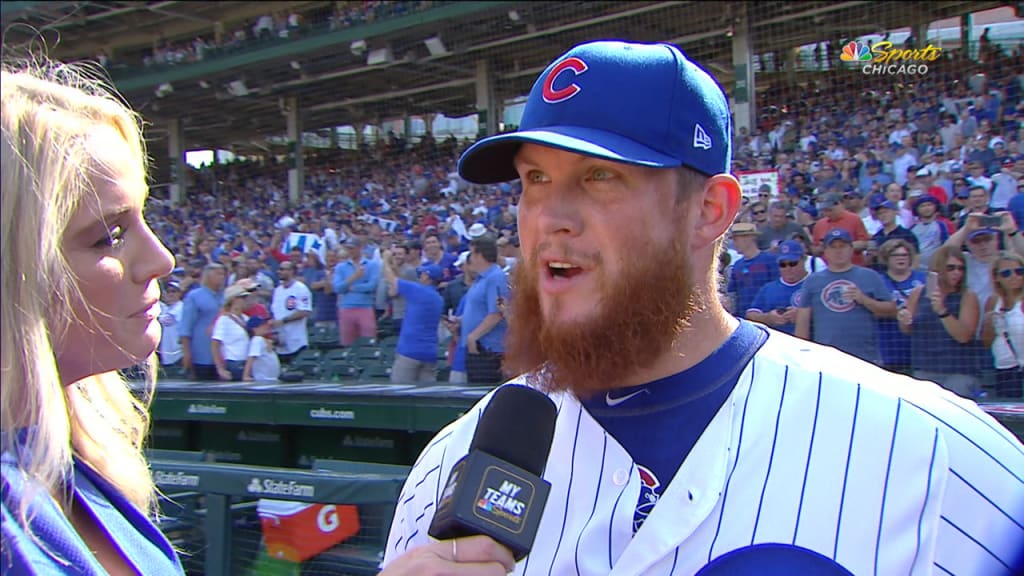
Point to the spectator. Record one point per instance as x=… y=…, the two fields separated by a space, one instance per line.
x=262 y=363
x=752 y=271
x=482 y=326
x=776 y=302
x=836 y=216
x=887 y=212
x=899 y=262
x=1002 y=328
x=778 y=229
x=977 y=203
x=355 y=281
x=416 y=353
x=840 y=303
x=942 y=327
x=315 y=277
x=982 y=244
x=396 y=303
x=230 y=339
x=200 y=311
x=171 y=309
x=290 y=307
x=930 y=230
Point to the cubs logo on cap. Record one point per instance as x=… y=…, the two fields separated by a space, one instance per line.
x=791 y=251
x=641 y=104
x=837 y=234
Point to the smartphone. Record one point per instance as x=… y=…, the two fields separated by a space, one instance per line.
x=933 y=283
x=988 y=221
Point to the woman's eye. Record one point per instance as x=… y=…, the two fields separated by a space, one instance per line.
x=113 y=238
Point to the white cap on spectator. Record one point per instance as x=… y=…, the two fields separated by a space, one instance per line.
x=463 y=258
x=477 y=230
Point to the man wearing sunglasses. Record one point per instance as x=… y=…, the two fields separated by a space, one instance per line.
x=776 y=303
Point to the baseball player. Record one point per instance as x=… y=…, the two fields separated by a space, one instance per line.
x=688 y=441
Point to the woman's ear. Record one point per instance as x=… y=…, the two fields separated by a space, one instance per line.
x=722 y=200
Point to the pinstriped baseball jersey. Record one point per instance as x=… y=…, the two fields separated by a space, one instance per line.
x=814 y=449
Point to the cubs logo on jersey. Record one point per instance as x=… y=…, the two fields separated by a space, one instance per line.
x=291 y=303
x=650 y=491
x=796 y=299
x=833 y=296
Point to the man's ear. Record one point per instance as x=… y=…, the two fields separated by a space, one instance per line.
x=722 y=199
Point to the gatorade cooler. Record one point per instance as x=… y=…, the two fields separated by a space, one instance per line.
x=296 y=531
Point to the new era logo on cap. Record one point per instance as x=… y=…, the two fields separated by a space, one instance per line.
x=641 y=104
x=701 y=138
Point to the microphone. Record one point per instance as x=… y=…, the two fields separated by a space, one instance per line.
x=496 y=490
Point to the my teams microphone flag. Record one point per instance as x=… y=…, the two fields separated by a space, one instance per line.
x=497 y=489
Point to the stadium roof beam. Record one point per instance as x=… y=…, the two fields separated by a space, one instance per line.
x=393 y=94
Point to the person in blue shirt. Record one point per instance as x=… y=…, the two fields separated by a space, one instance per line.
x=899 y=260
x=355 y=282
x=416 y=354
x=776 y=303
x=751 y=272
x=81 y=300
x=482 y=325
x=200 y=311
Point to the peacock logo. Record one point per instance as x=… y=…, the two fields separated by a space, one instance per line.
x=855 y=52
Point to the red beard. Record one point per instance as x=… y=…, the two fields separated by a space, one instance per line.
x=641 y=313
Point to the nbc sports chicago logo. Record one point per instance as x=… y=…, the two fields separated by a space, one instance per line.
x=883 y=58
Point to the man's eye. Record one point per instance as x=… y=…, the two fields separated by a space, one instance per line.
x=600 y=174
x=112 y=239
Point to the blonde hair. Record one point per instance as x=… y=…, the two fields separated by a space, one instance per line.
x=49 y=110
x=994 y=271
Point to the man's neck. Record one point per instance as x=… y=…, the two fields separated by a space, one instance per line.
x=889 y=227
x=706 y=331
x=751 y=253
x=838 y=269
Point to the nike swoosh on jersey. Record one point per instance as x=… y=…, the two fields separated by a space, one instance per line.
x=616 y=401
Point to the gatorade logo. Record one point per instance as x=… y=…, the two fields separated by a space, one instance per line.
x=327 y=519
x=553 y=96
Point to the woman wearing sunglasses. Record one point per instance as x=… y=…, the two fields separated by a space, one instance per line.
x=941 y=318
x=1002 y=328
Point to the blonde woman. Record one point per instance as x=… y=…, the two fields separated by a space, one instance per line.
x=230 y=339
x=941 y=324
x=80 y=301
x=1002 y=327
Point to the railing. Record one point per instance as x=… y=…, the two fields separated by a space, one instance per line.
x=209 y=511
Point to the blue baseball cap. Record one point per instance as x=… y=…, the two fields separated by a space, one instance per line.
x=982 y=232
x=431 y=270
x=808 y=207
x=837 y=234
x=791 y=251
x=885 y=204
x=641 y=104
x=255 y=322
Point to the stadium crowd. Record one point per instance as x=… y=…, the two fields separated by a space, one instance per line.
x=891 y=232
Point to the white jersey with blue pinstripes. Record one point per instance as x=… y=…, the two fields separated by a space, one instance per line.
x=814 y=448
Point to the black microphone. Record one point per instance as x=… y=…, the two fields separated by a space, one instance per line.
x=496 y=489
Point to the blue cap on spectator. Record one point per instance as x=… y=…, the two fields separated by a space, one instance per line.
x=1016 y=207
x=876 y=200
x=791 y=251
x=885 y=204
x=981 y=232
x=433 y=271
x=926 y=199
x=873 y=163
x=808 y=208
x=673 y=114
x=255 y=322
x=837 y=234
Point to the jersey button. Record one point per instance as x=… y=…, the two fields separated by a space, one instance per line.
x=620 y=477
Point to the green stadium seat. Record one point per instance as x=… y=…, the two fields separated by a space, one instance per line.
x=340 y=369
x=376 y=371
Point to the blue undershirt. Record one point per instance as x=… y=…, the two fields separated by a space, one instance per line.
x=673 y=412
